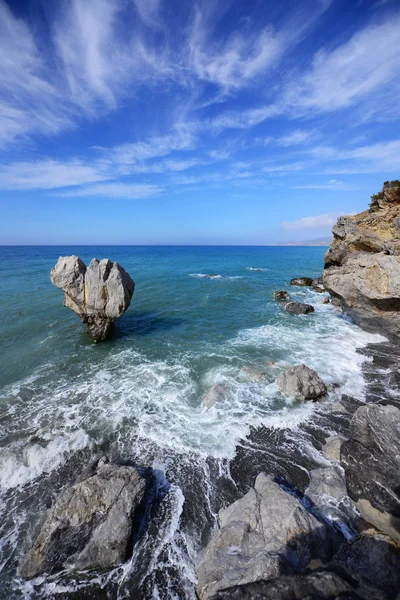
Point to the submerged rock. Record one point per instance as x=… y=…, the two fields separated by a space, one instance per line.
x=302 y=281
x=298 y=308
x=90 y=524
x=301 y=383
x=216 y=394
x=263 y=535
x=281 y=295
x=251 y=374
x=371 y=459
x=362 y=265
x=98 y=294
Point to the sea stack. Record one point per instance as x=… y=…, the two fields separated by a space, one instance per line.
x=362 y=265
x=99 y=294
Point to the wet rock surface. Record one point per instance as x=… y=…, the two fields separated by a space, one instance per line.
x=371 y=459
x=263 y=535
x=90 y=524
x=281 y=295
x=302 y=281
x=301 y=383
x=298 y=308
x=99 y=294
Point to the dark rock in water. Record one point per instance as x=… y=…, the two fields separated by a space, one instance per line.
x=263 y=535
x=317 y=284
x=301 y=383
x=216 y=394
x=302 y=281
x=251 y=374
x=323 y=584
x=90 y=524
x=371 y=459
x=373 y=557
x=98 y=294
x=326 y=301
x=281 y=295
x=298 y=308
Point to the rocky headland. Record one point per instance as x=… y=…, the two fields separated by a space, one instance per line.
x=99 y=294
x=362 y=265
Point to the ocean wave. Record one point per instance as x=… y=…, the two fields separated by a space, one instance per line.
x=257 y=269
x=214 y=276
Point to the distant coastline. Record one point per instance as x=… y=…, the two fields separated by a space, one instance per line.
x=316 y=242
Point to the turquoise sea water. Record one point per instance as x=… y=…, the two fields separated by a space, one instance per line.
x=64 y=399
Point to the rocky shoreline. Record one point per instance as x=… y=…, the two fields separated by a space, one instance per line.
x=311 y=513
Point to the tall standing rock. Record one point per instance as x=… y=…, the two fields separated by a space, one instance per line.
x=99 y=294
x=362 y=265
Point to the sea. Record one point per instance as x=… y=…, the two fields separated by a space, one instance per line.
x=199 y=316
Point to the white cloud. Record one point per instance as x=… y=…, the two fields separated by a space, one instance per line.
x=148 y=11
x=48 y=174
x=326 y=220
x=128 y=191
x=379 y=157
x=296 y=137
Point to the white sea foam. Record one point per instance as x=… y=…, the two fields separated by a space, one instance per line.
x=257 y=269
x=214 y=276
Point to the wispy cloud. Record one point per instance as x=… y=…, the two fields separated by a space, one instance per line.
x=296 y=138
x=325 y=220
x=128 y=191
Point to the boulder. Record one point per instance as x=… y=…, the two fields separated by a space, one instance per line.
x=371 y=460
x=326 y=481
x=331 y=448
x=317 y=285
x=98 y=294
x=298 y=308
x=322 y=584
x=266 y=533
x=281 y=295
x=302 y=281
x=301 y=383
x=375 y=558
x=90 y=524
x=251 y=374
x=216 y=394
x=362 y=265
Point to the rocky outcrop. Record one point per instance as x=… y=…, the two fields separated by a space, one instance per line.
x=90 y=524
x=98 y=294
x=365 y=568
x=281 y=295
x=298 y=308
x=362 y=265
x=301 y=383
x=371 y=460
x=265 y=534
x=317 y=285
x=302 y=281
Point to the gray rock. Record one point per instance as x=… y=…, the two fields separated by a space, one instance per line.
x=331 y=449
x=216 y=394
x=281 y=295
x=302 y=281
x=301 y=383
x=263 y=535
x=251 y=374
x=322 y=584
x=90 y=524
x=326 y=481
x=298 y=308
x=371 y=459
x=98 y=294
x=375 y=558
x=368 y=288
x=317 y=285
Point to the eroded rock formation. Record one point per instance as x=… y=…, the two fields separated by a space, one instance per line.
x=301 y=383
x=99 y=294
x=362 y=265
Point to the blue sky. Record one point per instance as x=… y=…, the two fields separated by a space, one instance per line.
x=194 y=122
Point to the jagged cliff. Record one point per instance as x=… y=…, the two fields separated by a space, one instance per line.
x=362 y=265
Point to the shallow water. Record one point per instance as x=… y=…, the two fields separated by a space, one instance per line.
x=198 y=316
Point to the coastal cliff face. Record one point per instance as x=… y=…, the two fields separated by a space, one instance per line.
x=362 y=265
